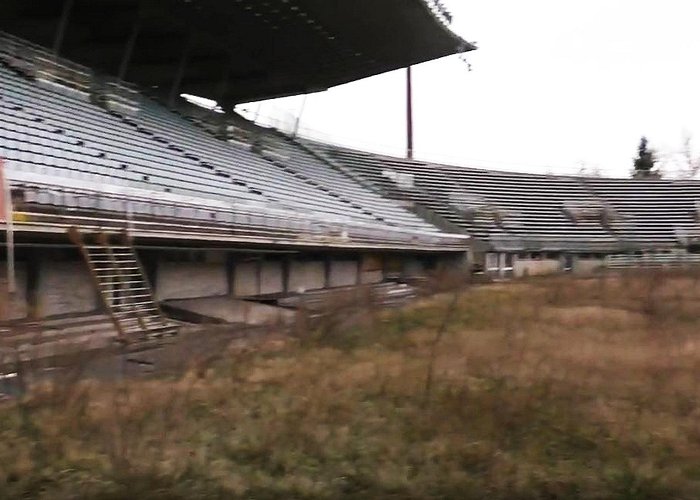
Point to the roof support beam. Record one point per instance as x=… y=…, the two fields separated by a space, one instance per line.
x=131 y=43
x=62 y=24
x=180 y=74
x=223 y=85
x=297 y=122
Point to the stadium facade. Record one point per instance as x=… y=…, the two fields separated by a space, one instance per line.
x=216 y=206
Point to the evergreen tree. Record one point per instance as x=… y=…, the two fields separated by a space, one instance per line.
x=645 y=162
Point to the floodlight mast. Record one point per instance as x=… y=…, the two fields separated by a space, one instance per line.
x=409 y=114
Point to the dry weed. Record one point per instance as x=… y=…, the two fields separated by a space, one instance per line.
x=551 y=388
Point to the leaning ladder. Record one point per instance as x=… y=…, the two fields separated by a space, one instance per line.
x=122 y=285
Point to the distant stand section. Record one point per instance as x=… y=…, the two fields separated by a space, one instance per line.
x=520 y=212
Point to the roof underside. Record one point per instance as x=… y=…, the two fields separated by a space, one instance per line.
x=237 y=50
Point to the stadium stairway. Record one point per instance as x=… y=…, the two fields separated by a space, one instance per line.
x=123 y=287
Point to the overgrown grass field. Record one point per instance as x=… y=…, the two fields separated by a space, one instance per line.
x=547 y=388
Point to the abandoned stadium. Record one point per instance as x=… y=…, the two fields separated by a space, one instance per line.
x=126 y=200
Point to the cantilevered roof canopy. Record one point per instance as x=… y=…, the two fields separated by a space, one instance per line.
x=236 y=50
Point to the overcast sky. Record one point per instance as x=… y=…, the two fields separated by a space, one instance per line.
x=554 y=85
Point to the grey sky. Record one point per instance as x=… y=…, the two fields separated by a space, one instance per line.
x=555 y=84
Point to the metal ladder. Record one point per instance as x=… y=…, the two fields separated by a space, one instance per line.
x=123 y=286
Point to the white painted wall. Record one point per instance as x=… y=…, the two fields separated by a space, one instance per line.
x=245 y=279
x=188 y=280
x=305 y=276
x=65 y=288
x=271 y=277
x=343 y=273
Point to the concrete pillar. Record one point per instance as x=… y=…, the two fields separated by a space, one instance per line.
x=17 y=306
x=286 y=265
x=33 y=262
x=371 y=269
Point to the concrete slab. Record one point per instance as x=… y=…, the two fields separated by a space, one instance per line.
x=234 y=311
x=55 y=337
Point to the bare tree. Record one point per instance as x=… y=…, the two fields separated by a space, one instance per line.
x=690 y=163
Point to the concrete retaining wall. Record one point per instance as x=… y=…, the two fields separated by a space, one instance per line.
x=65 y=288
x=188 y=280
x=305 y=276
x=246 y=281
x=271 y=277
x=343 y=273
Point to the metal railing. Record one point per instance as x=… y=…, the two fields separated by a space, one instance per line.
x=219 y=231
x=652 y=260
x=111 y=207
x=117 y=95
x=44 y=64
x=440 y=11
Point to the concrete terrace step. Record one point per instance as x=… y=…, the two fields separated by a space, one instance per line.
x=384 y=294
x=51 y=330
x=63 y=320
x=55 y=337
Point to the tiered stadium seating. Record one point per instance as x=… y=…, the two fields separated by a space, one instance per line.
x=62 y=137
x=536 y=212
x=291 y=179
x=658 y=212
x=517 y=210
x=299 y=162
x=59 y=135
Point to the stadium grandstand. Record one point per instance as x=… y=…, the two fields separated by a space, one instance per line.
x=124 y=199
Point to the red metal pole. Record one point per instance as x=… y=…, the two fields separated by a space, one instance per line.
x=409 y=114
